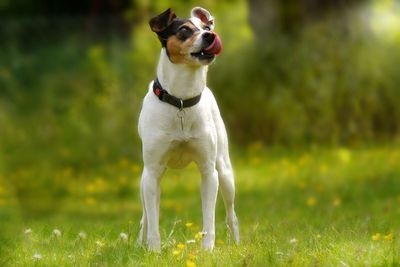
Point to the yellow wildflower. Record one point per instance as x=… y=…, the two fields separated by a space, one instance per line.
x=67 y=172
x=305 y=158
x=344 y=155
x=190 y=263
x=2 y=190
x=291 y=170
x=376 y=237
x=123 y=162
x=176 y=252
x=189 y=224
x=323 y=168
x=90 y=201
x=178 y=208
x=388 y=237
x=168 y=203
x=199 y=235
x=90 y=188
x=135 y=168
x=180 y=246
x=100 y=184
x=311 y=201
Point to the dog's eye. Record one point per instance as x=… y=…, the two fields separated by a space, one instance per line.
x=207 y=28
x=184 y=33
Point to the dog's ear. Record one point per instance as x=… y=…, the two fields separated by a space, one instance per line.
x=162 y=21
x=204 y=15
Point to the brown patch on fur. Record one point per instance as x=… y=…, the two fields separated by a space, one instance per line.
x=178 y=50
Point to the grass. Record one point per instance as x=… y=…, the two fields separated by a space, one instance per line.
x=323 y=207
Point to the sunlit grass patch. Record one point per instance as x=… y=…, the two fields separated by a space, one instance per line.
x=324 y=207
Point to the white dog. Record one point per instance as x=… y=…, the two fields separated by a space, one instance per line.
x=180 y=122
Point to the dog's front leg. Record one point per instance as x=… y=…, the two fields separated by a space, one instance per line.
x=209 y=189
x=150 y=186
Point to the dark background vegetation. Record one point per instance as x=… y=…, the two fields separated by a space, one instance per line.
x=293 y=74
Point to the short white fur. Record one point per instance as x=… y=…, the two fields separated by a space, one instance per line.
x=203 y=140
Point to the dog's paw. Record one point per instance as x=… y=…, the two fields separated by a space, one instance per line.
x=208 y=242
x=139 y=242
x=154 y=245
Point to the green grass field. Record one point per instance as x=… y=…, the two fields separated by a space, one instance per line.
x=319 y=207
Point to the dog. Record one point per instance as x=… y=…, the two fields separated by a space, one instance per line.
x=180 y=122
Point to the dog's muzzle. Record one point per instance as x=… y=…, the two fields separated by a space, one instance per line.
x=212 y=46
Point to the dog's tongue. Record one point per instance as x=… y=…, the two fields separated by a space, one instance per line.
x=215 y=47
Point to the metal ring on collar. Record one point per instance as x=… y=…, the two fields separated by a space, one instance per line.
x=181 y=103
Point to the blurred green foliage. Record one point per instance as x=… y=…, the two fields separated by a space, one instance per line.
x=326 y=85
x=69 y=100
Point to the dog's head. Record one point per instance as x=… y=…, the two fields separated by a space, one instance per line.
x=189 y=41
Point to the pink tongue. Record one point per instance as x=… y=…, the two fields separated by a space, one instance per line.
x=215 y=47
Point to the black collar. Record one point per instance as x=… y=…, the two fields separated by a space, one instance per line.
x=164 y=96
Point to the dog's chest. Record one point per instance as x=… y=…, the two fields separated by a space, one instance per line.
x=184 y=133
x=179 y=155
x=185 y=125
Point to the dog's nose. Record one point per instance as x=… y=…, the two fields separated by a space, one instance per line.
x=208 y=37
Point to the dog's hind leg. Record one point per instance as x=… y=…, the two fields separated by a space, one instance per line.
x=226 y=178
x=206 y=158
x=227 y=188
